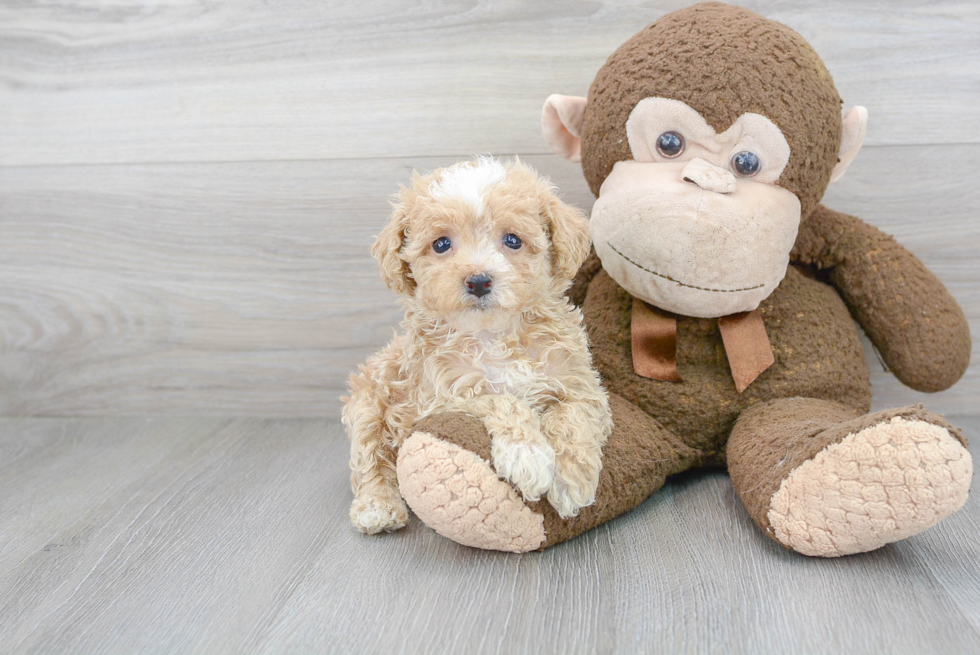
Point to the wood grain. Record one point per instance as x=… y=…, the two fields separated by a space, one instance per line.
x=247 y=288
x=209 y=535
x=188 y=191
x=248 y=80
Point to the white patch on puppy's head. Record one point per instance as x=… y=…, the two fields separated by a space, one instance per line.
x=469 y=181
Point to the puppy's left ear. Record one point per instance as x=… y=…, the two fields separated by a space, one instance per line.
x=571 y=236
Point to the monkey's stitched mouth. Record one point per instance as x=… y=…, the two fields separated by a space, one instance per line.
x=670 y=279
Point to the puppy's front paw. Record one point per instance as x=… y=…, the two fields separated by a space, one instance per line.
x=527 y=465
x=575 y=484
x=374 y=515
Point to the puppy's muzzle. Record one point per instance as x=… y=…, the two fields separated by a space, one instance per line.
x=478 y=285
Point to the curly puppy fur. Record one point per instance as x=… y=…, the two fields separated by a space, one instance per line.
x=515 y=357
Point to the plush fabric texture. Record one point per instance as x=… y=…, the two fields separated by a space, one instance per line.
x=816 y=476
x=642 y=203
x=653 y=116
x=654 y=344
x=637 y=459
x=814 y=341
x=910 y=317
x=854 y=126
x=781 y=439
x=882 y=484
x=723 y=61
x=558 y=120
x=802 y=425
x=456 y=493
x=460 y=429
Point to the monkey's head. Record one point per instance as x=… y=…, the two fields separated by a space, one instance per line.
x=706 y=138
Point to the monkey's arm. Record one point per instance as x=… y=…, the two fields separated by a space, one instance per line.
x=590 y=267
x=908 y=314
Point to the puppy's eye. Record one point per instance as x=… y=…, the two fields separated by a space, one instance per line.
x=746 y=163
x=442 y=244
x=513 y=241
x=670 y=144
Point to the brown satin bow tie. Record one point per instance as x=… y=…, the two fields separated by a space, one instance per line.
x=654 y=343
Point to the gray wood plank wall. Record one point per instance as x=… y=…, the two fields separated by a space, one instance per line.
x=188 y=190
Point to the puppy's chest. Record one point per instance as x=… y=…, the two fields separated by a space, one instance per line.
x=497 y=367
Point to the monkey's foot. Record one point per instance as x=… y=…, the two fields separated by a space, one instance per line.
x=456 y=493
x=446 y=475
x=877 y=485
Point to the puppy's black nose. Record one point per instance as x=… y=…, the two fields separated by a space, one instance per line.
x=478 y=285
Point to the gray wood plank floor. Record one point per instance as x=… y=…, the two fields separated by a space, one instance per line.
x=213 y=536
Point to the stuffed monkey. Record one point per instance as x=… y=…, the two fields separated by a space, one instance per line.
x=721 y=301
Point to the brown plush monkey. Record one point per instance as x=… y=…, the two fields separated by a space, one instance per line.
x=719 y=303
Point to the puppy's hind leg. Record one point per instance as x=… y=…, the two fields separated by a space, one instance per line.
x=519 y=451
x=377 y=505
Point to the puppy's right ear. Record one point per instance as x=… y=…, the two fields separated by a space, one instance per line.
x=387 y=249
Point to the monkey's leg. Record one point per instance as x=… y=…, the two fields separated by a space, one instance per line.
x=822 y=481
x=446 y=476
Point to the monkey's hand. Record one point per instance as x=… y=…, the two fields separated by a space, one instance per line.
x=910 y=317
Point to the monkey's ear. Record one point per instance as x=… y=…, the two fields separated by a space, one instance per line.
x=855 y=127
x=561 y=123
x=395 y=271
x=571 y=235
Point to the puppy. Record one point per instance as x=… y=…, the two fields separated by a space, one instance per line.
x=481 y=254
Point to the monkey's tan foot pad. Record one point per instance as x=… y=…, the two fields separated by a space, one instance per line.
x=878 y=485
x=456 y=493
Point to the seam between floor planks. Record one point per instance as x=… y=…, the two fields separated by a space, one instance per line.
x=311 y=583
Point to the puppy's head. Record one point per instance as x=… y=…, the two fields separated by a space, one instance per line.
x=480 y=239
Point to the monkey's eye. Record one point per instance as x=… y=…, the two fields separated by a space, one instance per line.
x=670 y=144
x=441 y=244
x=513 y=241
x=746 y=163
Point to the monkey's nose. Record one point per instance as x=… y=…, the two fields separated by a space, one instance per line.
x=708 y=176
x=478 y=285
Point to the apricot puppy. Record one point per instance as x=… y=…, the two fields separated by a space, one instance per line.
x=481 y=254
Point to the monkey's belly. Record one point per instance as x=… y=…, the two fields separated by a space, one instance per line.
x=815 y=343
